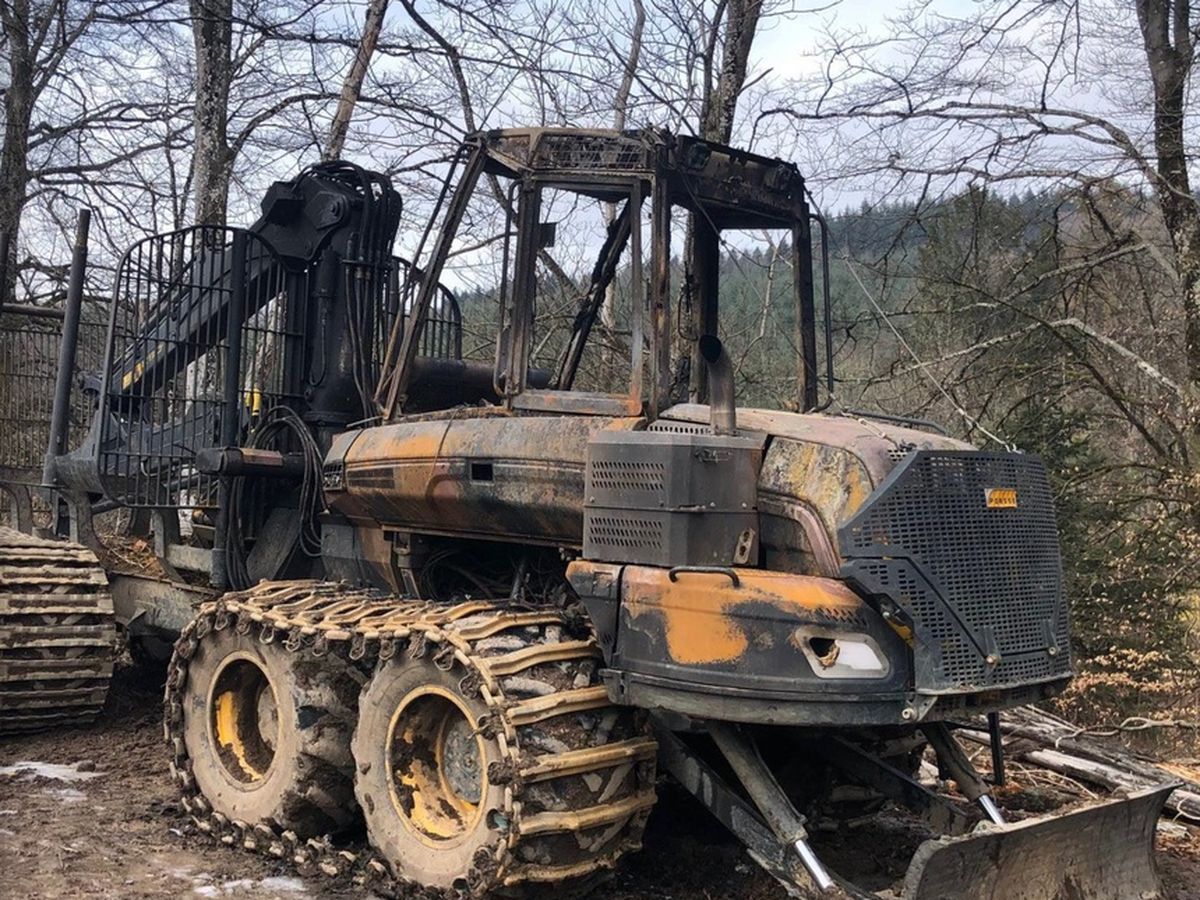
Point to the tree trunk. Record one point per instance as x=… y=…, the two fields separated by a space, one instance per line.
x=352 y=88
x=608 y=310
x=1167 y=39
x=14 y=155
x=720 y=104
x=717 y=114
x=212 y=161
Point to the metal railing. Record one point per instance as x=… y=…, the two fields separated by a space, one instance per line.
x=178 y=301
x=442 y=335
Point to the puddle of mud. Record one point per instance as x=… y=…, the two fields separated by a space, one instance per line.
x=272 y=886
x=28 y=770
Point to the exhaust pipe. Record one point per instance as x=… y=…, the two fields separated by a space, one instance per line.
x=722 y=410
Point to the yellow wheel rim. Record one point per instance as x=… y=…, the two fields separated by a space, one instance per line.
x=244 y=719
x=436 y=766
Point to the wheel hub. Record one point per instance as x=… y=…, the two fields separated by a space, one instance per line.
x=244 y=720
x=436 y=763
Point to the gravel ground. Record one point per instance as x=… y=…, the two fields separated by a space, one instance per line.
x=97 y=817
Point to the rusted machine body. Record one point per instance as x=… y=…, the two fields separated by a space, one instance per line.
x=482 y=567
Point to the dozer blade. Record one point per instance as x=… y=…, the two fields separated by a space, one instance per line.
x=1103 y=851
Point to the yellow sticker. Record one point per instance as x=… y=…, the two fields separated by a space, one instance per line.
x=1000 y=498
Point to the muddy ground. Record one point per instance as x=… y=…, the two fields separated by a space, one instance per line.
x=98 y=818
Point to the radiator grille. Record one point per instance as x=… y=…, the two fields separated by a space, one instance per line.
x=977 y=581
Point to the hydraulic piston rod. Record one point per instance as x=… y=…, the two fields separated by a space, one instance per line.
x=768 y=796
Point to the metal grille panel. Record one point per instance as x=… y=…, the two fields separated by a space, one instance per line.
x=583 y=153
x=977 y=581
x=441 y=337
x=169 y=355
x=28 y=369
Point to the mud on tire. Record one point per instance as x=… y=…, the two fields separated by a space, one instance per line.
x=538 y=785
x=267 y=732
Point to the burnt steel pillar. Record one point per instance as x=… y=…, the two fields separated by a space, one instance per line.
x=60 y=416
x=231 y=396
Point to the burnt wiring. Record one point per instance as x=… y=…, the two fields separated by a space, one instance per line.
x=531 y=578
x=245 y=509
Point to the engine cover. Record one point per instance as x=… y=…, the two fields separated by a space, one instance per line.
x=669 y=499
x=744 y=645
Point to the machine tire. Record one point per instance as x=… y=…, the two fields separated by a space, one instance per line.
x=300 y=777
x=539 y=807
x=417 y=858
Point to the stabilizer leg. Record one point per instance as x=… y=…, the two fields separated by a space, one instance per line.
x=785 y=821
x=865 y=768
x=730 y=808
x=953 y=763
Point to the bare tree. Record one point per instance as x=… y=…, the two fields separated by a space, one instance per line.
x=261 y=72
x=1168 y=35
x=212 y=160
x=737 y=20
x=994 y=98
x=49 y=112
x=352 y=87
x=633 y=57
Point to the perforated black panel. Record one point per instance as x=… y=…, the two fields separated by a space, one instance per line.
x=977 y=581
x=581 y=152
x=626 y=533
x=672 y=427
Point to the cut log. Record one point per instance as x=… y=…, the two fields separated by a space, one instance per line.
x=1042 y=739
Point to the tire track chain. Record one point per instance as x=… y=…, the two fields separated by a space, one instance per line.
x=319 y=618
x=58 y=635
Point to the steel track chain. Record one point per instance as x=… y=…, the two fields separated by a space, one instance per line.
x=58 y=635
x=319 y=618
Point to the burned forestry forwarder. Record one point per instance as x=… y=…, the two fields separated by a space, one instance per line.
x=473 y=601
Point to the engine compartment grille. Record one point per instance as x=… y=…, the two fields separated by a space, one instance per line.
x=980 y=580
